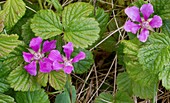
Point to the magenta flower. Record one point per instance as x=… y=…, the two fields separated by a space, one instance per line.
x=65 y=62
x=144 y=23
x=38 y=55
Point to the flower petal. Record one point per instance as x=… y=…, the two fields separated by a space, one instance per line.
x=147 y=10
x=133 y=13
x=55 y=56
x=35 y=43
x=31 y=68
x=68 y=69
x=156 y=22
x=27 y=56
x=78 y=57
x=143 y=35
x=48 y=46
x=57 y=66
x=68 y=49
x=45 y=65
x=131 y=27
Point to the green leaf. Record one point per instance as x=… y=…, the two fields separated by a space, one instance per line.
x=4 y=71
x=57 y=79
x=78 y=28
x=2 y=19
x=144 y=81
x=102 y=19
x=130 y=49
x=6 y=99
x=63 y=98
x=4 y=85
x=164 y=75
x=83 y=65
x=32 y=97
x=75 y=11
x=7 y=44
x=68 y=96
x=139 y=3
x=15 y=58
x=122 y=97
x=155 y=53
x=13 y=10
x=82 y=32
x=166 y=27
x=104 y=98
x=161 y=8
x=42 y=78
x=27 y=33
x=71 y=90
x=56 y=4
x=46 y=24
x=17 y=29
x=124 y=83
x=15 y=55
x=20 y=80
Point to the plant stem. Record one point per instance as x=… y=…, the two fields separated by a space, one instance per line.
x=40 y=3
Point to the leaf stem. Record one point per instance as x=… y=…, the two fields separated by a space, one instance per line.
x=40 y=3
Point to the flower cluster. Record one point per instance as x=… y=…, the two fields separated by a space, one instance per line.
x=53 y=61
x=144 y=23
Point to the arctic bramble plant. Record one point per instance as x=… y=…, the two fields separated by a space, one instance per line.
x=144 y=23
x=65 y=62
x=38 y=55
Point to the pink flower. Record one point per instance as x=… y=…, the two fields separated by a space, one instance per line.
x=65 y=62
x=38 y=55
x=144 y=23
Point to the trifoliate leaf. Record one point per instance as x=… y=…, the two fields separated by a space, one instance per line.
x=124 y=83
x=6 y=99
x=38 y=96
x=74 y=11
x=20 y=80
x=104 y=98
x=46 y=24
x=164 y=75
x=15 y=58
x=13 y=10
x=27 y=33
x=155 y=53
x=122 y=97
x=83 y=65
x=7 y=44
x=57 y=79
